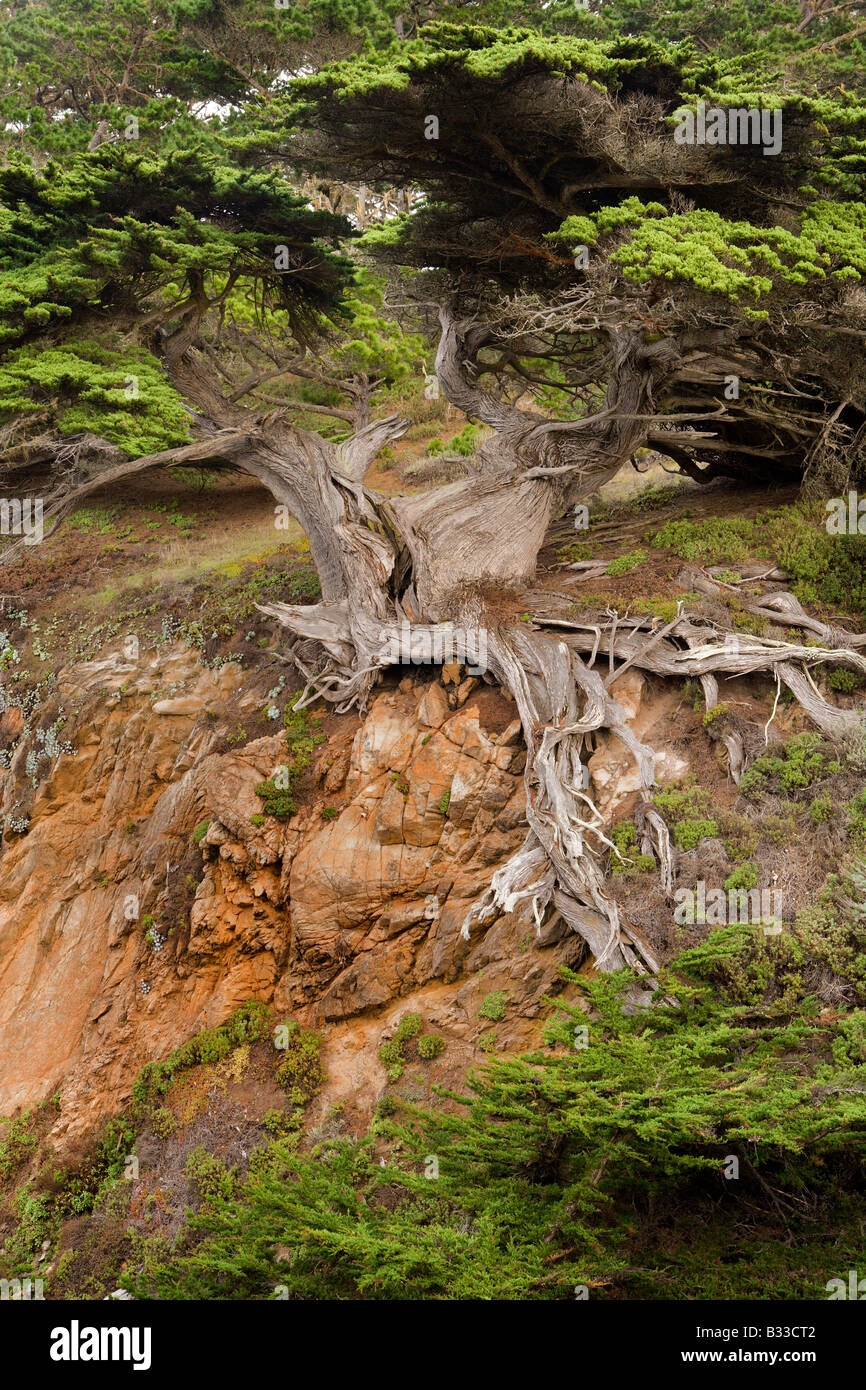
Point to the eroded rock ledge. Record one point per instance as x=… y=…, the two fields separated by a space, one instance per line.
x=343 y=922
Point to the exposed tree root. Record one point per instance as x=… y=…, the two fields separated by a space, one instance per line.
x=390 y=569
x=561 y=699
x=711 y=653
x=559 y=863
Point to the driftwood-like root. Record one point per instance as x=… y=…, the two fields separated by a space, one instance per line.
x=562 y=699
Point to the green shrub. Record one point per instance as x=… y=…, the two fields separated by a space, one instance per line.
x=689 y=833
x=16 y=1142
x=209 y=1175
x=563 y=1165
x=429 y=1046
x=856 y=812
x=744 y=876
x=823 y=568
x=624 y=837
x=711 y=715
x=822 y=808
x=466 y=442
x=283 y=1123
x=831 y=928
x=279 y=801
x=300 y=1072
x=278 y=792
x=247 y=1024
x=682 y=802
x=623 y=563
x=391 y=1052
x=163 y=1122
x=804 y=759
x=849 y=1049
x=200 y=831
x=493 y=1006
x=844 y=680
x=33 y=1212
x=665 y=608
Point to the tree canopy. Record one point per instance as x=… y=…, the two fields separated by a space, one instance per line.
x=545 y=144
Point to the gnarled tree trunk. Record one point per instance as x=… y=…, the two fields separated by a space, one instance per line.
x=423 y=564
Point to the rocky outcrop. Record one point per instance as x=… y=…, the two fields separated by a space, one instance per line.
x=120 y=937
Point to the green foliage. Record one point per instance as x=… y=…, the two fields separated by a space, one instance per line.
x=493 y=1006
x=85 y=1186
x=374 y=342
x=550 y=1173
x=247 y=1024
x=711 y=715
x=625 y=840
x=279 y=801
x=283 y=1123
x=663 y=608
x=17 y=1142
x=822 y=808
x=300 y=1072
x=429 y=1045
x=744 y=876
x=844 y=680
x=392 y=1052
x=823 y=568
x=163 y=1122
x=803 y=760
x=623 y=563
x=466 y=442
x=200 y=831
x=685 y=809
x=856 y=812
x=724 y=257
x=831 y=928
x=278 y=792
x=32 y=1211
x=574 y=551
x=689 y=833
x=124 y=397
x=850 y=1047
x=209 y=1175
x=79 y=271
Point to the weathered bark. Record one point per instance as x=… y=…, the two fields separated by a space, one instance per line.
x=489 y=528
x=435 y=557
x=415 y=563
x=559 y=862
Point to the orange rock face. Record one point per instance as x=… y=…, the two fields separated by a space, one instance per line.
x=120 y=937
